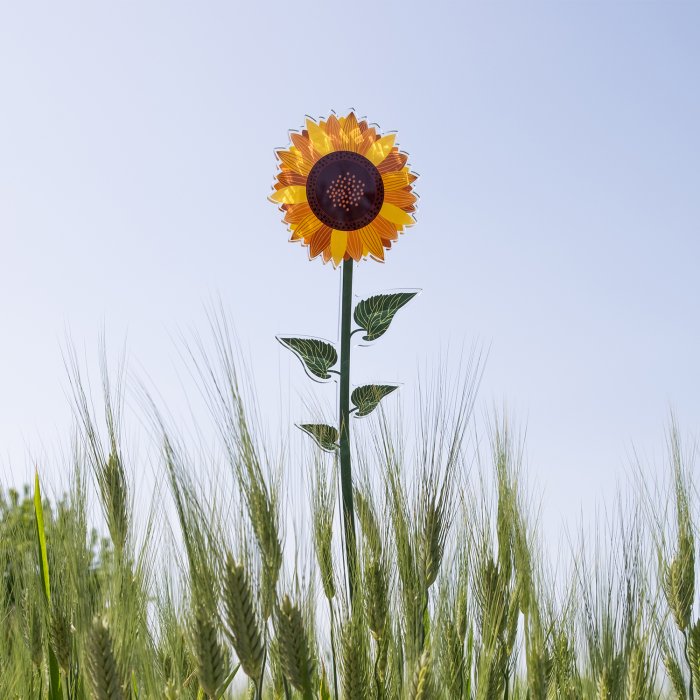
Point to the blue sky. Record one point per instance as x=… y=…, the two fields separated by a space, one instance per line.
x=557 y=145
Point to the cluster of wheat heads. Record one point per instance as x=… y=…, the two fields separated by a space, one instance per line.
x=214 y=597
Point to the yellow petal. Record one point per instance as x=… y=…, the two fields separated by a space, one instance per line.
x=395 y=181
x=380 y=149
x=294 y=194
x=397 y=216
x=320 y=140
x=339 y=244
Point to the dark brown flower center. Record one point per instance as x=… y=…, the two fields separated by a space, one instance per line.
x=345 y=191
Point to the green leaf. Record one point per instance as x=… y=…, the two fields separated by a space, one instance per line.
x=324 y=692
x=41 y=539
x=55 y=692
x=367 y=397
x=220 y=693
x=374 y=315
x=317 y=356
x=326 y=436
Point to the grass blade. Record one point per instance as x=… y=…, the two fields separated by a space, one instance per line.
x=54 y=675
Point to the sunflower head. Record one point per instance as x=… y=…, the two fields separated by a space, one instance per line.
x=345 y=190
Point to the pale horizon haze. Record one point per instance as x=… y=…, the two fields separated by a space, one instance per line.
x=558 y=148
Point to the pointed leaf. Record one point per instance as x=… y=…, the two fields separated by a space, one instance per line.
x=220 y=693
x=55 y=692
x=324 y=691
x=41 y=539
x=374 y=315
x=317 y=356
x=326 y=436
x=367 y=397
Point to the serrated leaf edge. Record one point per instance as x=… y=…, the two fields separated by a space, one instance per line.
x=367 y=341
x=302 y=427
x=356 y=411
x=311 y=375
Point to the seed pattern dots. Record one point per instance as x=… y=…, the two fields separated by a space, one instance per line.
x=346 y=191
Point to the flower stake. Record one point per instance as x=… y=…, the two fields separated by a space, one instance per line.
x=347 y=194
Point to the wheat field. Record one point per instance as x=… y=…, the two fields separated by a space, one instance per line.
x=455 y=594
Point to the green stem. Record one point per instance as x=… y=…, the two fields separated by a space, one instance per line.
x=344 y=416
x=335 y=664
x=259 y=684
x=377 y=681
x=690 y=666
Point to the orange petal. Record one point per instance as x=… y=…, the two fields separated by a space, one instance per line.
x=401 y=198
x=287 y=177
x=368 y=138
x=306 y=227
x=355 y=245
x=297 y=213
x=352 y=137
x=386 y=230
x=294 y=161
x=372 y=241
x=395 y=180
x=394 y=161
x=305 y=148
x=333 y=130
x=320 y=241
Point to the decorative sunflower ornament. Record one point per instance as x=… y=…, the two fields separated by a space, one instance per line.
x=345 y=190
x=347 y=194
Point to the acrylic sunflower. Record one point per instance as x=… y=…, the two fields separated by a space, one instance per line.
x=346 y=190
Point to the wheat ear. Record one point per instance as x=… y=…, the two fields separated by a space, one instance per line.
x=60 y=638
x=209 y=654
x=356 y=678
x=294 y=649
x=637 y=674
x=103 y=670
x=242 y=624
x=420 y=687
